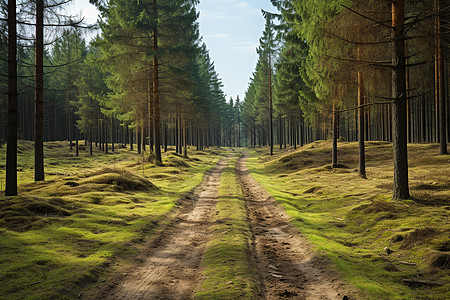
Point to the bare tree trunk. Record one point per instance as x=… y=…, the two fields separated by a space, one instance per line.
x=150 y=108
x=270 y=107
x=361 y=123
x=90 y=140
x=436 y=71
x=138 y=139
x=112 y=134
x=239 y=129
x=106 y=136
x=441 y=73
x=165 y=136
x=131 y=135
x=408 y=101
x=157 y=118
x=399 y=122
x=334 y=160
x=39 y=94
x=76 y=142
x=185 y=138
x=11 y=151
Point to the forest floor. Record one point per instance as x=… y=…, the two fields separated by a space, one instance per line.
x=222 y=225
x=387 y=249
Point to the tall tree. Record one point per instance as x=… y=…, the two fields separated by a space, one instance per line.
x=441 y=76
x=361 y=121
x=157 y=117
x=39 y=94
x=11 y=154
x=401 y=187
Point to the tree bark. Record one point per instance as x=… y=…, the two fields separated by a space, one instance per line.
x=399 y=122
x=361 y=123
x=113 y=131
x=138 y=139
x=334 y=160
x=39 y=95
x=11 y=151
x=106 y=136
x=157 y=118
x=90 y=141
x=185 y=154
x=442 y=98
x=436 y=71
x=270 y=107
x=77 y=153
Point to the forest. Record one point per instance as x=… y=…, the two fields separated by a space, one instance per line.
x=127 y=172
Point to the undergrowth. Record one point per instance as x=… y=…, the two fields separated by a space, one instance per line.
x=388 y=249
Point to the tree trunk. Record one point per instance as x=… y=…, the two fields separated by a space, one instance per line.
x=334 y=160
x=90 y=140
x=166 y=132
x=185 y=154
x=76 y=143
x=361 y=123
x=11 y=151
x=157 y=118
x=399 y=122
x=131 y=136
x=270 y=107
x=112 y=134
x=39 y=94
x=441 y=84
x=150 y=108
x=138 y=139
x=106 y=136
x=436 y=72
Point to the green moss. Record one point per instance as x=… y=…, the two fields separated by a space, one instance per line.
x=229 y=269
x=352 y=220
x=89 y=218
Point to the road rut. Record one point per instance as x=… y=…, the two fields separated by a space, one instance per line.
x=171 y=269
x=287 y=265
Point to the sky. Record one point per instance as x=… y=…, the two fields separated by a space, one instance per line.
x=231 y=30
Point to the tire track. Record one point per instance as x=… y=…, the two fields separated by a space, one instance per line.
x=288 y=267
x=170 y=269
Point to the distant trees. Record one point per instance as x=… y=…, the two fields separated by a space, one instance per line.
x=350 y=70
x=159 y=74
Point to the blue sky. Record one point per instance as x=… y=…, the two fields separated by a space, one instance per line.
x=231 y=30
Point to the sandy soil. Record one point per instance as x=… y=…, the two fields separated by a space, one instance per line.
x=287 y=265
x=170 y=269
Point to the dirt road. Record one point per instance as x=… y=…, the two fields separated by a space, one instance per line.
x=170 y=269
x=288 y=267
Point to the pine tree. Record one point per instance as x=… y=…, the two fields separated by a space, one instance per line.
x=401 y=187
x=11 y=154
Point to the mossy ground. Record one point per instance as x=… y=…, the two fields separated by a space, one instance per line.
x=90 y=217
x=229 y=268
x=352 y=220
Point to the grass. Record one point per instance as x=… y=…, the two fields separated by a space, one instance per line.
x=90 y=217
x=229 y=268
x=354 y=220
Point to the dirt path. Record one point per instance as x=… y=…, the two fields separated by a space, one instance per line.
x=171 y=269
x=288 y=267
